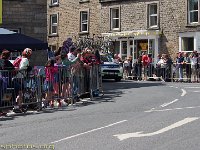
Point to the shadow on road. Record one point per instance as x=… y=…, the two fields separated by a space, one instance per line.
x=114 y=89
x=126 y=84
x=111 y=90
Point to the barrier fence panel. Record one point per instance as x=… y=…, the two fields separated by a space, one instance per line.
x=185 y=72
x=47 y=87
x=8 y=89
x=94 y=80
x=160 y=72
x=19 y=88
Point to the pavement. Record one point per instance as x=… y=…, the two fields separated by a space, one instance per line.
x=131 y=115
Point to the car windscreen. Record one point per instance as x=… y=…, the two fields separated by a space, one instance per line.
x=106 y=58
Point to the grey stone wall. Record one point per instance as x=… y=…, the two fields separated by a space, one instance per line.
x=28 y=15
x=173 y=20
x=69 y=19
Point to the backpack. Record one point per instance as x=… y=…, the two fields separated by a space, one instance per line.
x=17 y=62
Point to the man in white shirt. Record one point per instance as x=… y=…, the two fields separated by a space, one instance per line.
x=70 y=55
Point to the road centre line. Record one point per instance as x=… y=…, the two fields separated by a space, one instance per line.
x=183 y=92
x=154 y=110
x=167 y=104
x=93 y=130
x=192 y=87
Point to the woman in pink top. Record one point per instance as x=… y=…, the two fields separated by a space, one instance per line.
x=50 y=71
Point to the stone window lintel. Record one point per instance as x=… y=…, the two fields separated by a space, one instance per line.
x=83 y=33
x=84 y=1
x=53 y=35
x=194 y=25
x=54 y=5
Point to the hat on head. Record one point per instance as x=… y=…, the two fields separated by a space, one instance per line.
x=5 y=54
x=27 y=52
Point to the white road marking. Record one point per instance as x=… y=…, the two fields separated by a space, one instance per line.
x=76 y=135
x=183 y=92
x=122 y=137
x=167 y=104
x=196 y=91
x=154 y=110
x=192 y=87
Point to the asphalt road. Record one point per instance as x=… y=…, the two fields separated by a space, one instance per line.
x=130 y=116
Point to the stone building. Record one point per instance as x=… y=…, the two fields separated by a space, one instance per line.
x=134 y=26
x=153 y=26
x=28 y=17
x=67 y=18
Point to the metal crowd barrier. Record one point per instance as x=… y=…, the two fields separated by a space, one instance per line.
x=166 y=72
x=95 y=81
x=161 y=72
x=186 y=72
x=68 y=84
x=19 y=85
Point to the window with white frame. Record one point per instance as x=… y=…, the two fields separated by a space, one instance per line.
x=54 y=24
x=53 y=47
x=153 y=15
x=84 y=16
x=193 y=11
x=115 y=18
x=54 y=2
x=187 y=43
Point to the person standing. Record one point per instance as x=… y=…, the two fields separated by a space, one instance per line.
x=21 y=77
x=150 y=66
x=145 y=63
x=162 y=64
x=169 y=64
x=179 y=65
x=158 y=67
x=187 y=66
x=50 y=71
x=193 y=59
x=5 y=76
x=139 y=68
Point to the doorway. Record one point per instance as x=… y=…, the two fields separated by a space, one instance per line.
x=140 y=47
x=144 y=45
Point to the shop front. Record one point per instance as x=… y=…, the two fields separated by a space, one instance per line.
x=134 y=43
